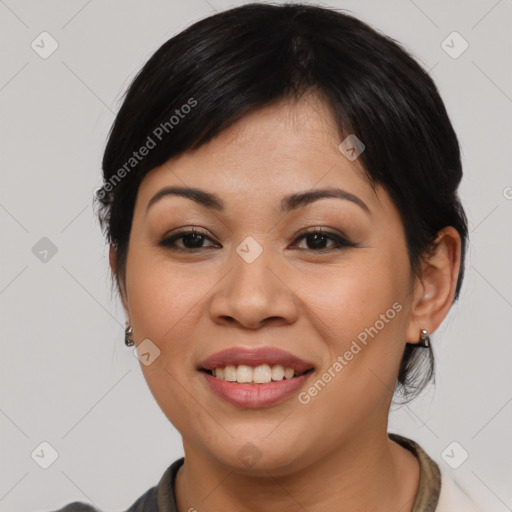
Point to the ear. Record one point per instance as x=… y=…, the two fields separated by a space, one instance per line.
x=112 y=257
x=434 y=289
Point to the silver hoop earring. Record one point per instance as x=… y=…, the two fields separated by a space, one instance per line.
x=127 y=333
x=424 y=339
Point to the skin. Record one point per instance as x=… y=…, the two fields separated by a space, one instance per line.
x=333 y=450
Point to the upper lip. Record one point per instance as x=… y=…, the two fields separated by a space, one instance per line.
x=254 y=357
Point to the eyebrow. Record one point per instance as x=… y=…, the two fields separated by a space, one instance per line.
x=288 y=203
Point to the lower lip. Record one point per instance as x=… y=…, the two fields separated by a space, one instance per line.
x=255 y=395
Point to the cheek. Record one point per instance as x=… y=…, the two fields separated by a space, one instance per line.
x=348 y=298
x=164 y=302
x=359 y=311
x=165 y=298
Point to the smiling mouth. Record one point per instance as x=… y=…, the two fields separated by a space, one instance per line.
x=257 y=375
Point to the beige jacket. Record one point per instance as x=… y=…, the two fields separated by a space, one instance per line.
x=453 y=499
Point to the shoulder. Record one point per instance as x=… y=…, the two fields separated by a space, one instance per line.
x=159 y=498
x=145 y=503
x=454 y=497
x=77 y=506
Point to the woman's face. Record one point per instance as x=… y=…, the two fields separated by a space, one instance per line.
x=252 y=279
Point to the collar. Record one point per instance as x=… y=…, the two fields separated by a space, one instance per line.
x=426 y=499
x=429 y=486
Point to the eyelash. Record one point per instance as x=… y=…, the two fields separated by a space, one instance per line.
x=341 y=242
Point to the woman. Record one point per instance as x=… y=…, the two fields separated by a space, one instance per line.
x=280 y=199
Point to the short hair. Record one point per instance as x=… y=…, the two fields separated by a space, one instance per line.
x=223 y=67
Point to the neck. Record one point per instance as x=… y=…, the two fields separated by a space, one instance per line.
x=370 y=473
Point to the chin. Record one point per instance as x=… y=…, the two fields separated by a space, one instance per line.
x=259 y=455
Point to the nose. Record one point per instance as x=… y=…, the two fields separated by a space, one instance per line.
x=253 y=295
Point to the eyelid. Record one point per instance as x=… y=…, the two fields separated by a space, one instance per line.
x=322 y=230
x=170 y=238
x=340 y=239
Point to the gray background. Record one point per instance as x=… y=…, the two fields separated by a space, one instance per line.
x=67 y=377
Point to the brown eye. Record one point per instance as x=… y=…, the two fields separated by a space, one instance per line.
x=190 y=240
x=316 y=240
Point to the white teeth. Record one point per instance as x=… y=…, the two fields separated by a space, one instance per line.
x=289 y=373
x=230 y=373
x=277 y=372
x=243 y=373
x=261 y=374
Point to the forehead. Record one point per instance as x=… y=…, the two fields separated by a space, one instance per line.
x=274 y=151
